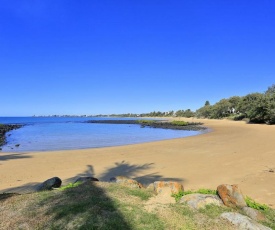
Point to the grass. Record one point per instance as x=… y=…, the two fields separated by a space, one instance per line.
x=70 y=185
x=179 y=123
x=213 y=211
x=253 y=204
x=264 y=209
x=146 y=122
x=102 y=205
x=140 y=193
x=180 y=194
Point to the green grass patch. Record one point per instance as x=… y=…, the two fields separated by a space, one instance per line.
x=253 y=204
x=270 y=217
x=180 y=194
x=146 y=122
x=70 y=185
x=213 y=211
x=141 y=193
x=105 y=205
x=179 y=123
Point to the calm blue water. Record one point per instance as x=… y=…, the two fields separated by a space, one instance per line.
x=49 y=133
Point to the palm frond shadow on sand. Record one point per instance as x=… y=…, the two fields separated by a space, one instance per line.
x=124 y=168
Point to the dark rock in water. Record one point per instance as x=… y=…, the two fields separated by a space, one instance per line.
x=85 y=179
x=49 y=184
x=154 y=124
x=17 y=145
x=4 y=129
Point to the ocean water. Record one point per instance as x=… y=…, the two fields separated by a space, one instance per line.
x=60 y=133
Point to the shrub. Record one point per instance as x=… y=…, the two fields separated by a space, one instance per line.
x=253 y=204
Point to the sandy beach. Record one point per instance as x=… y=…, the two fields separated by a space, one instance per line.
x=232 y=153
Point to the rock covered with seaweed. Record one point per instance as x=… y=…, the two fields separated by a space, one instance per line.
x=4 y=128
x=163 y=124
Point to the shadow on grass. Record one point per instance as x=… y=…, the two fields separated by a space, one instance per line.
x=84 y=207
x=90 y=205
x=5 y=196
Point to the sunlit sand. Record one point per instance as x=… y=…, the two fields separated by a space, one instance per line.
x=232 y=153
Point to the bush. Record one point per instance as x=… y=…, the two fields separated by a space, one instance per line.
x=253 y=204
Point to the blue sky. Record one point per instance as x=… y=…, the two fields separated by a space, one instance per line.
x=91 y=57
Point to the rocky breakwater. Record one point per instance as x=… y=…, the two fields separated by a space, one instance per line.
x=163 y=124
x=4 y=129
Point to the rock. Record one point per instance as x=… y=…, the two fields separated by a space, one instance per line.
x=4 y=129
x=243 y=222
x=150 y=187
x=86 y=179
x=254 y=214
x=49 y=184
x=175 y=187
x=17 y=145
x=126 y=181
x=231 y=195
x=201 y=200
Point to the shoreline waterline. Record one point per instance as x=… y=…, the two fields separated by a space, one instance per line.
x=232 y=153
x=49 y=134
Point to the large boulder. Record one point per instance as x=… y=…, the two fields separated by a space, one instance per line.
x=126 y=181
x=201 y=200
x=174 y=187
x=49 y=184
x=243 y=222
x=85 y=179
x=231 y=195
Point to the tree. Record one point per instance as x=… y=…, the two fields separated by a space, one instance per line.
x=254 y=107
x=206 y=103
x=204 y=111
x=270 y=90
x=234 y=101
x=221 y=109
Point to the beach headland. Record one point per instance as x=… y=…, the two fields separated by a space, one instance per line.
x=232 y=153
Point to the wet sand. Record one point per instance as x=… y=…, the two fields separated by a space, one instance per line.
x=232 y=153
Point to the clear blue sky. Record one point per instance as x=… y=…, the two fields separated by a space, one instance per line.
x=97 y=56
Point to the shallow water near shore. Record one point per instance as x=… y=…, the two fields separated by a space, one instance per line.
x=64 y=133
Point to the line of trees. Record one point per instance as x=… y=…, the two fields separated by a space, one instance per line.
x=172 y=113
x=257 y=107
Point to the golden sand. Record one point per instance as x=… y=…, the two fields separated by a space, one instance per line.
x=232 y=153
